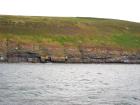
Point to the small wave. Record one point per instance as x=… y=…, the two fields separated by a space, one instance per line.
x=84 y=80
x=135 y=98
x=99 y=73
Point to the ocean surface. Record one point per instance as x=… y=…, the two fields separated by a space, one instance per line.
x=69 y=84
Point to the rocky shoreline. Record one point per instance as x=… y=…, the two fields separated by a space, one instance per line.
x=12 y=52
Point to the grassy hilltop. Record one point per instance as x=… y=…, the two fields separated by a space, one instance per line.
x=80 y=39
x=63 y=30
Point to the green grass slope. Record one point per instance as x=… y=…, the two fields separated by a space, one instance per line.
x=71 y=30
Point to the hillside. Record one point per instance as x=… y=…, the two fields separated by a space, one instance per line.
x=80 y=39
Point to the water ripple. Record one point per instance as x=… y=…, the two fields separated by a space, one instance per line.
x=69 y=84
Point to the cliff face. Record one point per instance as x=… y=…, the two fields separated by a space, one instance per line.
x=69 y=53
x=71 y=40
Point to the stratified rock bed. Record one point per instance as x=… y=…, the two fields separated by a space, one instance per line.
x=15 y=52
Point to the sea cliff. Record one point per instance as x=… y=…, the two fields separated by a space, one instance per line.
x=68 y=40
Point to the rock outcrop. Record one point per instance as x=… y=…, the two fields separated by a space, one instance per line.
x=65 y=54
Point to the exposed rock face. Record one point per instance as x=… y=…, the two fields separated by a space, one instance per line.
x=67 y=53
